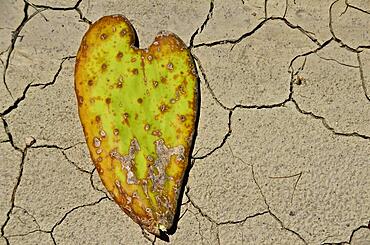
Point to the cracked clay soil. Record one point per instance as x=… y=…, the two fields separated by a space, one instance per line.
x=282 y=154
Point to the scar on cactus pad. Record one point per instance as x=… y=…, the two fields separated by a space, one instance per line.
x=139 y=111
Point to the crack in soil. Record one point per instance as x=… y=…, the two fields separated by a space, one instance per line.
x=18 y=101
x=230 y=110
x=361 y=227
x=204 y=24
x=15 y=188
x=62 y=150
x=235 y=41
x=336 y=38
x=362 y=77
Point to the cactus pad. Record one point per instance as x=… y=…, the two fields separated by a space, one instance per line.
x=138 y=110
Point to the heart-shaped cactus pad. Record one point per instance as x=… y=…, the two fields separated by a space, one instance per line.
x=138 y=109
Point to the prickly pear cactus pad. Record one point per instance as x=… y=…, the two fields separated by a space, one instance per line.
x=138 y=110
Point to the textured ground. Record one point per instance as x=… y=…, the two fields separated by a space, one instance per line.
x=283 y=148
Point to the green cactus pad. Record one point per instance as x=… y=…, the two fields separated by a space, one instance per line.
x=138 y=110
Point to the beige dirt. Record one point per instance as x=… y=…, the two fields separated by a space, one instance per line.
x=282 y=154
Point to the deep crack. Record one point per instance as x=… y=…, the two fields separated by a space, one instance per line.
x=255 y=29
x=18 y=181
x=18 y=101
x=361 y=227
x=71 y=211
x=200 y=29
x=336 y=38
x=362 y=77
x=327 y=126
x=14 y=38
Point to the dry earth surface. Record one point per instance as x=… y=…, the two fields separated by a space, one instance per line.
x=282 y=154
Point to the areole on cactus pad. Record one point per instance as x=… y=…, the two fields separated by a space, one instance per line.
x=138 y=109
